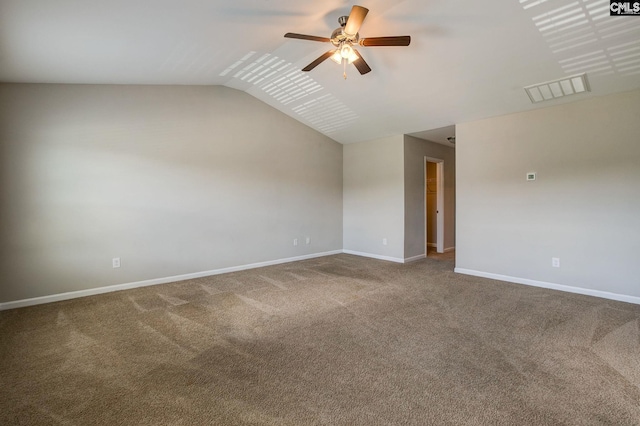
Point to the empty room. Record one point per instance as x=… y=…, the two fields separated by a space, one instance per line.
x=222 y=212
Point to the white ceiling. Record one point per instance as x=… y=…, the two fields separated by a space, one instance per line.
x=467 y=60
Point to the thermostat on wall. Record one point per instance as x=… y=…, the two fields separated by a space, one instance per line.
x=531 y=176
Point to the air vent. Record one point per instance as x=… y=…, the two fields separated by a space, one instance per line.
x=560 y=88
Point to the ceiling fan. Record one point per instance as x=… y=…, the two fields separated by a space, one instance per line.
x=345 y=37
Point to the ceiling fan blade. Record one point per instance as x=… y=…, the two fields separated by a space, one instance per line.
x=360 y=64
x=307 y=37
x=385 y=41
x=318 y=61
x=354 y=22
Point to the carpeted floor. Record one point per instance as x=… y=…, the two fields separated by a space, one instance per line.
x=433 y=254
x=339 y=340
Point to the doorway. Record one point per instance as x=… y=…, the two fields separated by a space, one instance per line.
x=434 y=205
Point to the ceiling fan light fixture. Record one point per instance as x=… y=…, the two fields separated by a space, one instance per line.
x=337 y=57
x=346 y=51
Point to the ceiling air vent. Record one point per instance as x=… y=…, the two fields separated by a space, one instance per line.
x=558 y=88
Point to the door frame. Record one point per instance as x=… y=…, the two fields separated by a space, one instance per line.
x=439 y=203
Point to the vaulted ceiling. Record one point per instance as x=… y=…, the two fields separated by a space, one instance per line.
x=467 y=60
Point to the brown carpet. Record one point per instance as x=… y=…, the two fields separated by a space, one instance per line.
x=339 y=340
x=433 y=254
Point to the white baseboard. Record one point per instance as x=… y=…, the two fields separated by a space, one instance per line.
x=108 y=289
x=444 y=251
x=374 y=256
x=552 y=286
x=415 y=258
x=387 y=258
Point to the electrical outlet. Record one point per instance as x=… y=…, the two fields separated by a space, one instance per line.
x=115 y=262
x=555 y=262
x=308 y=240
x=295 y=241
x=384 y=241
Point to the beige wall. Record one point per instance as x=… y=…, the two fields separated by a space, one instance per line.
x=179 y=180
x=384 y=196
x=374 y=198
x=583 y=208
x=415 y=151
x=173 y=180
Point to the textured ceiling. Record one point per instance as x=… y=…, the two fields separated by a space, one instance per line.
x=466 y=61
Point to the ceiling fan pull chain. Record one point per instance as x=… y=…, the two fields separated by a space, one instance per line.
x=344 y=62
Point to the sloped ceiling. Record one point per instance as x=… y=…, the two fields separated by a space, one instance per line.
x=466 y=61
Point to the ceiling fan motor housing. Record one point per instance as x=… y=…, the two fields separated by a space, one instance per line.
x=339 y=37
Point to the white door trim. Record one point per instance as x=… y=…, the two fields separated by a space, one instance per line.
x=439 y=203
